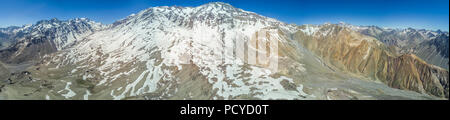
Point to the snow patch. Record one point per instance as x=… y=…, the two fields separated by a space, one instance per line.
x=86 y=96
x=367 y=53
x=310 y=30
x=70 y=93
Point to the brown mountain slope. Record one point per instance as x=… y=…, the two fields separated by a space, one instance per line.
x=27 y=50
x=3 y=72
x=350 y=51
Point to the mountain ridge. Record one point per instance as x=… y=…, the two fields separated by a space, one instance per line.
x=184 y=53
x=44 y=37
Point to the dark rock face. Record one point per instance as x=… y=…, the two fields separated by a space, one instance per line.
x=27 y=50
x=441 y=43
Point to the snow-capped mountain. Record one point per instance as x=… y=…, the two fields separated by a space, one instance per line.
x=5 y=36
x=158 y=42
x=399 y=37
x=411 y=41
x=63 y=33
x=214 y=51
x=46 y=36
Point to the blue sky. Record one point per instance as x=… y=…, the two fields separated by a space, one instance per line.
x=428 y=14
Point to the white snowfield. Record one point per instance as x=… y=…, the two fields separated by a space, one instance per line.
x=69 y=92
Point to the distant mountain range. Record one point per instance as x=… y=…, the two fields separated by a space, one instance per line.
x=217 y=51
x=432 y=46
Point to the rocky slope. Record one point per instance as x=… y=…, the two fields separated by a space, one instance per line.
x=216 y=51
x=5 y=36
x=34 y=41
x=4 y=72
x=435 y=51
x=351 y=51
x=429 y=45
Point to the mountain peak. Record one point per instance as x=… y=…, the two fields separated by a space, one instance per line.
x=53 y=20
x=214 y=12
x=213 y=7
x=217 y=4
